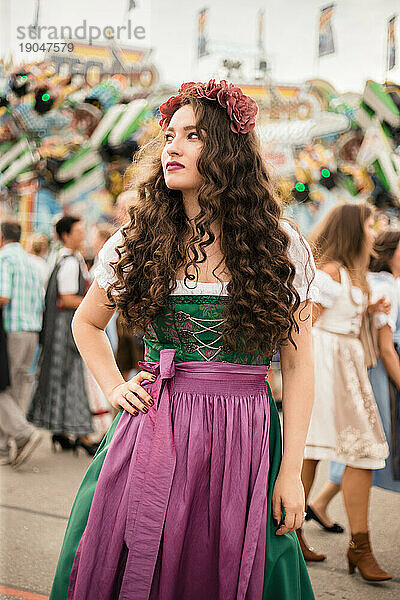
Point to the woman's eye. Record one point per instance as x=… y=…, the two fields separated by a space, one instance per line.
x=192 y=135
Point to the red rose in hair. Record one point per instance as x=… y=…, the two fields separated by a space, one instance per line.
x=212 y=89
x=241 y=109
x=188 y=88
x=169 y=107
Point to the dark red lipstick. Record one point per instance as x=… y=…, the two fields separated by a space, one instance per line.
x=174 y=165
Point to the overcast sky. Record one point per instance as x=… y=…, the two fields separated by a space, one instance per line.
x=290 y=34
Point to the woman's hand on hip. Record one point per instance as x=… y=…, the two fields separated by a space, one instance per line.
x=131 y=396
x=288 y=494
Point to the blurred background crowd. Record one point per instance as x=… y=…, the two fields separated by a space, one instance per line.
x=71 y=120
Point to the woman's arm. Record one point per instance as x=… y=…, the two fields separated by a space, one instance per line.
x=88 y=325
x=297 y=398
x=388 y=354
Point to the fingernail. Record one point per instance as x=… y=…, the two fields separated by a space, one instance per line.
x=145 y=410
x=153 y=377
x=151 y=402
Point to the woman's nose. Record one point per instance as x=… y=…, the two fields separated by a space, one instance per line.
x=174 y=148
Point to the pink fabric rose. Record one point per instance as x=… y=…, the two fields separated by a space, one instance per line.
x=241 y=109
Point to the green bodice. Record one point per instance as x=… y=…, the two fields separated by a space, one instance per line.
x=192 y=324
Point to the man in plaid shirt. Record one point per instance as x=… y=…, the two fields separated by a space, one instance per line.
x=21 y=298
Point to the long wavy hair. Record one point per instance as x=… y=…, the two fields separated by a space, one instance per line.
x=236 y=191
x=340 y=238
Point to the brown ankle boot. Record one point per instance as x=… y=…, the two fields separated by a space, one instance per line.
x=360 y=555
x=308 y=552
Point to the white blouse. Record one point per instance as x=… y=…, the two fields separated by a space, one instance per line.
x=299 y=253
x=329 y=289
x=68 y=274
x=383 y=284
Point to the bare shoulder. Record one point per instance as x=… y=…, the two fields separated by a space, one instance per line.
x=332 y=269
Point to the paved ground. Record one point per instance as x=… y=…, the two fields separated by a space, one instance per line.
x=35 y=502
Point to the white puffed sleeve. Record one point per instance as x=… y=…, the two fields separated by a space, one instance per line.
x=328 y=289
x=384 y=285
x=299 y=253
x=103 y=272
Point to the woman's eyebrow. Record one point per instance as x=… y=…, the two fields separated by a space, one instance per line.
x=186 y=128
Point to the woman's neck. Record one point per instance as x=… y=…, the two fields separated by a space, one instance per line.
x=192 y=210
x=191 y=204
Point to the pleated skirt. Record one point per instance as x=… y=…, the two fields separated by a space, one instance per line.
x=59 y=399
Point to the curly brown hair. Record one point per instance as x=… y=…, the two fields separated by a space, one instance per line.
x=236 y=192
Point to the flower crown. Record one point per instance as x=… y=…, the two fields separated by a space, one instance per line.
x=241 y=109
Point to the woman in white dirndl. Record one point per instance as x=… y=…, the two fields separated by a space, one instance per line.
x=345 y=424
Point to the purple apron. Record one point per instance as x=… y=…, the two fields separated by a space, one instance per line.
x=180 y=506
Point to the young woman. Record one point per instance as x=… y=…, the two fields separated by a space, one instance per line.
x=385 y=376
x=345 y=421
x=188 y=495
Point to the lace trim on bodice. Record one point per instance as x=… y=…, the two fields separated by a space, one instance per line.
x=200 y=288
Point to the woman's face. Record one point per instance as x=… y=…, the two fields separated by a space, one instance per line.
x=369 y=234
x=181 y=151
